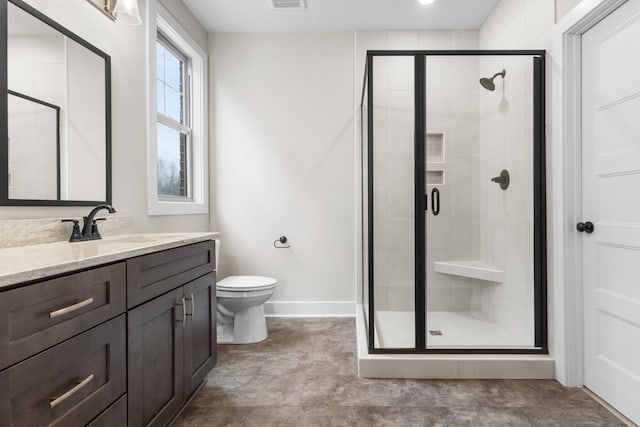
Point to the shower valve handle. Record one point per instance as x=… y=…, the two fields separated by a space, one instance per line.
x=503 y=179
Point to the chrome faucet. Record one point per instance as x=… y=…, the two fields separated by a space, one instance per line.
x=89 y=226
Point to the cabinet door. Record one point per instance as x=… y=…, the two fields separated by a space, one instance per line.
x=200 y=331
x=155 y=360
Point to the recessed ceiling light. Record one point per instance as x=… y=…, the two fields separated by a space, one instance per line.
x=426 y=1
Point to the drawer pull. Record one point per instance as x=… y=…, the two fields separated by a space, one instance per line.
x=71 y=308
x=184 y=312
x=58 y=400
x=193 y=306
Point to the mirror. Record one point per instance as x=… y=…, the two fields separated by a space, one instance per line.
x=56 y=114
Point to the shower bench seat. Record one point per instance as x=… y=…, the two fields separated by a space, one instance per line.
x=472 y=269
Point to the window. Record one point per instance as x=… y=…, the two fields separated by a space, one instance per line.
x=173 y=122
x=177 y=125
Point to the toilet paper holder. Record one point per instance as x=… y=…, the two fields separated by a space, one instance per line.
x=279 y=242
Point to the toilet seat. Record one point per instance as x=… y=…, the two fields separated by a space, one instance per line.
x=246 y=283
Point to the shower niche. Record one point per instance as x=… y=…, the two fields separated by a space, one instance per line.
x=435 y=158
x=444 y=247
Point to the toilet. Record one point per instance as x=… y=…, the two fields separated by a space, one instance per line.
x=240 y=308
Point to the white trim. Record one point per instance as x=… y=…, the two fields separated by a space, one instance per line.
x=309 y=309
x=529 y=366
x=160 y=18
x=567 y=178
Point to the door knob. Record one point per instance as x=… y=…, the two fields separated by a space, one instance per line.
x=586 y=227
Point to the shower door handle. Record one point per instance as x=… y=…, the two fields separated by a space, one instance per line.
x=435 y=202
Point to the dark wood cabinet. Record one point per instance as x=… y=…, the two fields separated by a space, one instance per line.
x=69 y=384
x=114 y=416
x=200 y=331
x=38 y=316
x=121 y=344
x=156 y=336
x=151 y=275
x=172 y=347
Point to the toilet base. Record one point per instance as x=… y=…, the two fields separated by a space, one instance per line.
x=243 y=327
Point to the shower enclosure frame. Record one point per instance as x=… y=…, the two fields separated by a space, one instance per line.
x=539 y=204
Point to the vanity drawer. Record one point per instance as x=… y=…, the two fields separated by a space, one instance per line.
x=114 y=416
x=38 y=316
x=152 y=275
x=69 y=384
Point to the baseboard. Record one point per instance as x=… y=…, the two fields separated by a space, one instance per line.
x=309 y=309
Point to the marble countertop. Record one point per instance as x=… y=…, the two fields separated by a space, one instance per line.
x=33 y=262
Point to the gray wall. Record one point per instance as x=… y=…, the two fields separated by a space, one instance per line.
x=282 y=127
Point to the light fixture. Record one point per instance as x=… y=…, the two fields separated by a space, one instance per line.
x=426 y=1
x=126 y=11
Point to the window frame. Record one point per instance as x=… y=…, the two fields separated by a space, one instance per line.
x=178 y=41
x=183 y=127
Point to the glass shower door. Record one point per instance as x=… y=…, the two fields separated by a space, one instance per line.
x=454 y=202
x=479 y=238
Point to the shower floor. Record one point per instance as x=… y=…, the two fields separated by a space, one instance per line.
x=395 y=329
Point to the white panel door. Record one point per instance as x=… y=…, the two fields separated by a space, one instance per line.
x=611 y=201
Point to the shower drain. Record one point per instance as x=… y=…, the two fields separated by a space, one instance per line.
x=435 y=332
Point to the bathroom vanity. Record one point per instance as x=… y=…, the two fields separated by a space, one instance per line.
x=115 y=332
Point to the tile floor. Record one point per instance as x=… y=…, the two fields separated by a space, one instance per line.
x=304 y=374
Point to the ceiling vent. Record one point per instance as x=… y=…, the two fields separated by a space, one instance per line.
x=288 y=4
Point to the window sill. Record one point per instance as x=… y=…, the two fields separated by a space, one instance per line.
x=157 y=208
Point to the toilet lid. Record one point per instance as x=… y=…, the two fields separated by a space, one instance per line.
x=246 y=283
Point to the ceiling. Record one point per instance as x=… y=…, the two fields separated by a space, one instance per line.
x=340 y=15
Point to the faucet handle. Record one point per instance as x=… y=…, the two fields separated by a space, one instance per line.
x=75 y=233
x=94 y=226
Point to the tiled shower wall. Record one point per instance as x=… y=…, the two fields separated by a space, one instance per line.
x=454 y=234
x=451 y=87
x=514 y=24
x=506 y=220
x=394 y=232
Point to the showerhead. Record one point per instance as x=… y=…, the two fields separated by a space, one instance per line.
x=488 y=83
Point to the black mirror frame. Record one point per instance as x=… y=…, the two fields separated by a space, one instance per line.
x=4 y=111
